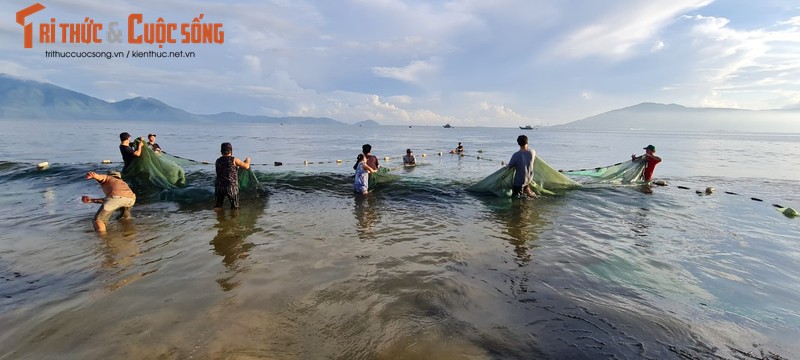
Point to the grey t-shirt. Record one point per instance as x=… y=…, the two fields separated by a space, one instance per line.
x=522 y=161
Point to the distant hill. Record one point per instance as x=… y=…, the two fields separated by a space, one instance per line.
x=26 y=99
x=367 y=123
x=672 y=117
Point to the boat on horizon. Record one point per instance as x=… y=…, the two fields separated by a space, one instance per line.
x=447 y=126
x=527 y=127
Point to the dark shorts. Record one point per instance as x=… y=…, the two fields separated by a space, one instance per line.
x=226 y=191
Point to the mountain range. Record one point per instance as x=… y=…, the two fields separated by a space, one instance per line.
x=673 y=117
x=27 y=99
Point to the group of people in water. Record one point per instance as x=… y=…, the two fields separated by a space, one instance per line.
x=226 y=183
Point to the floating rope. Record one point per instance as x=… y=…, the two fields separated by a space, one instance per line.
x=787 y=211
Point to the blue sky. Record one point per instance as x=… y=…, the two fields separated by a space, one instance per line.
x=469 y=63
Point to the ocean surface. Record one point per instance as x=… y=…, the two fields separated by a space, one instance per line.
x=418 y=269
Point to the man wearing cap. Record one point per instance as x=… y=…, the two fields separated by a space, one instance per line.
x=118 y=196
x=151 y=142
x=650 y=159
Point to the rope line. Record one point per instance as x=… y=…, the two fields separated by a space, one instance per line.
x=787 y=211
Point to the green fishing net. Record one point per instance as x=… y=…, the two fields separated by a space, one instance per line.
x=381 y=177
x=165 y=171
x=624 y=172
x=249 y=185
x=151 y=169
x=547 y=180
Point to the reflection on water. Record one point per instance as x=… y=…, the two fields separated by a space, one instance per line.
x=521 y=222
x=366 y=213
x=119 y=249
x=233 y=227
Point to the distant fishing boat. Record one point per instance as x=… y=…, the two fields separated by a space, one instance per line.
x=526 y=127
x=447 y=126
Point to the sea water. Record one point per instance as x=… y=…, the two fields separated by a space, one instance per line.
x=418 y=269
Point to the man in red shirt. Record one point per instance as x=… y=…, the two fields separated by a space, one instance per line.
x=651 y=160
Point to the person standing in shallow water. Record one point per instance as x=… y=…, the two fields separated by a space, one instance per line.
x=522 y=162
x=227 y=182
x=372 y=160
x=361 y=183
x=408 y=158
x=651 y=160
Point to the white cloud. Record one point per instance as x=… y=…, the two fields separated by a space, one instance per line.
x=754 y=69
x=617 y=31
x=22 y=72
x=253 y=65
x=658 y=46
x=414 y=73
x=466 y=62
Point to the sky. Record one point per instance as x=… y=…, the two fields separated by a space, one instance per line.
x=463 y=62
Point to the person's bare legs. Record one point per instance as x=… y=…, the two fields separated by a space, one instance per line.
x=99 y=226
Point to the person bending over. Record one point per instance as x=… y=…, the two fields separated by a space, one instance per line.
x=118 y=196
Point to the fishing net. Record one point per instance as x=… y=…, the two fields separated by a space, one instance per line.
x=547 y=180
x=381 y=177
x=151 y=169
x=165 y=171
x=249 y=185
x=249 y=188
x=623 y=172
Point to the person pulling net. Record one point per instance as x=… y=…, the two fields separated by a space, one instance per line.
x=149 y=169
x=545 y=181
x=542 y=179
x=626 y=172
